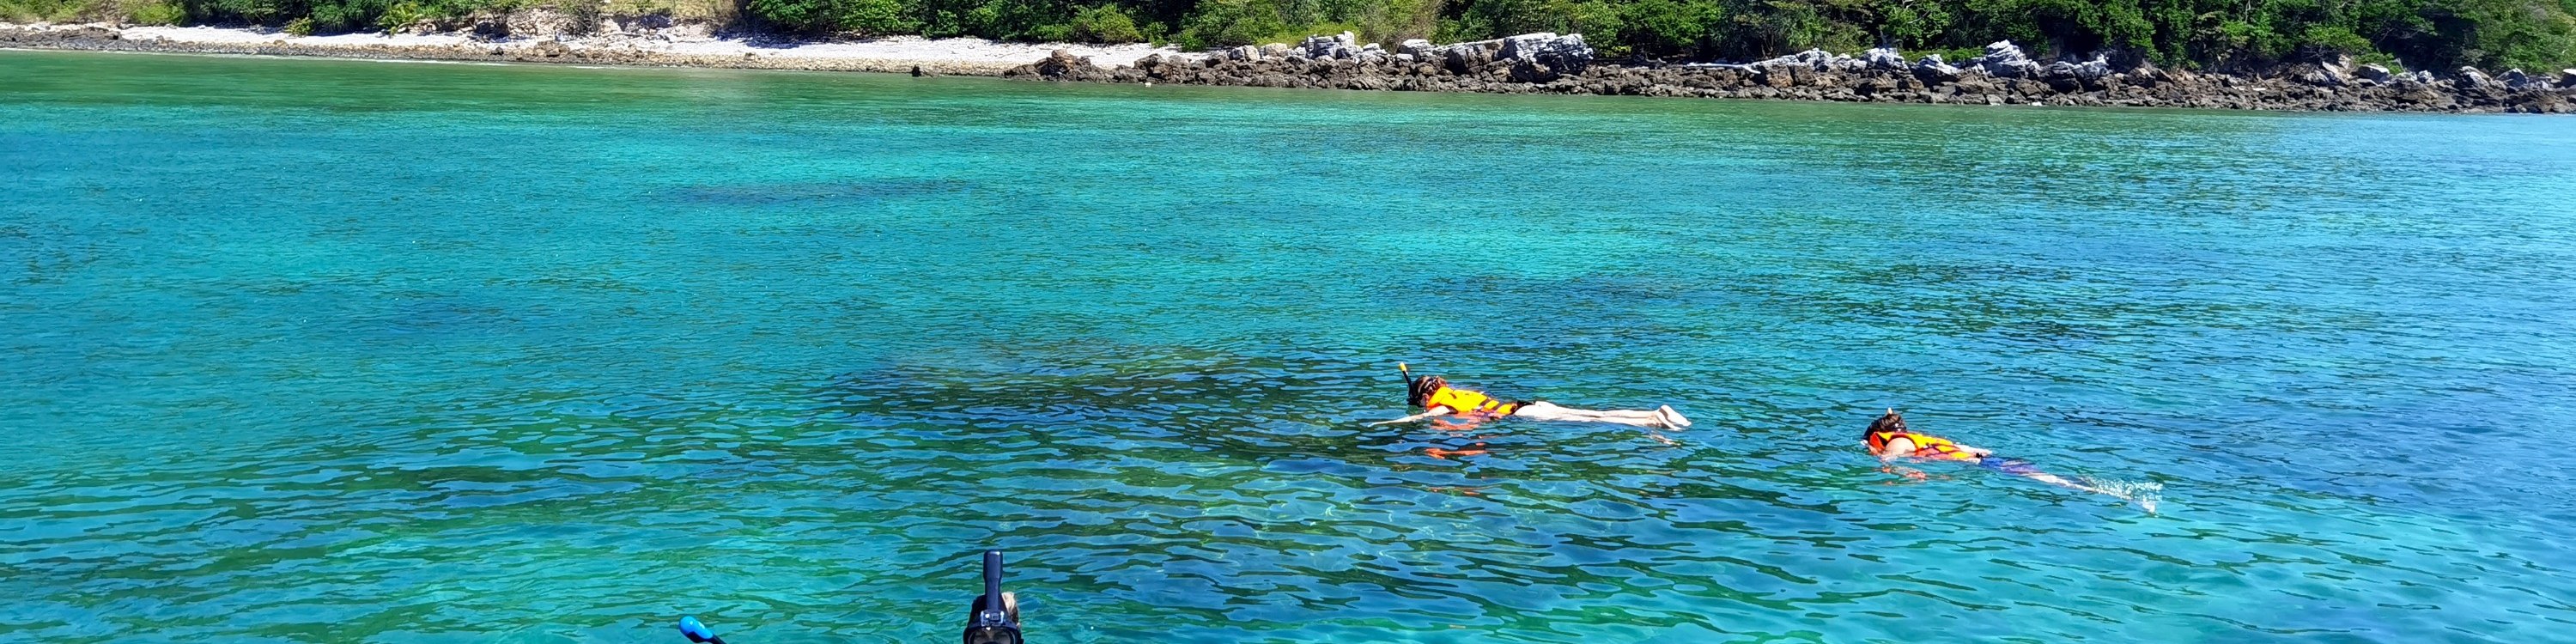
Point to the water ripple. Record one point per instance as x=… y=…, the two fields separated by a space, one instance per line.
x=788 y=348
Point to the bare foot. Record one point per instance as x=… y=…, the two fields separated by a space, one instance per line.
x=1673 y=419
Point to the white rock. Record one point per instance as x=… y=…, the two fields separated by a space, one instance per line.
x=2325 y=76
x=1342 y=45
x=2004 y=59
x=1932 y=69
x=1565 y=53
x=2093 y=69
x=2375 y=74
x=2471 y=77
x=1883 y=58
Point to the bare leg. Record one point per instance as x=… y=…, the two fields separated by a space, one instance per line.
x=1551 y=411
x=2060 y=481
x=2024 y=470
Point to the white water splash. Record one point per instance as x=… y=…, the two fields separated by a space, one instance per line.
x=2144 y=493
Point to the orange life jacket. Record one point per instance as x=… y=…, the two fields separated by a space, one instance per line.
x=1464 y=402
x=1924 y=446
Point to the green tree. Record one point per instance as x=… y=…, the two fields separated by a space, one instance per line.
x=1672 y=27
x=1230 y=23
x=1105 y=24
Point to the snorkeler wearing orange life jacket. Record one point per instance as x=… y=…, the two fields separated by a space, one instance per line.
x=1459 y=401
x=1888 y=439
x=1435 y=397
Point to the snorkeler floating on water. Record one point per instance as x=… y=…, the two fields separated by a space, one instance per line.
x=1436 y=398
x=1888 y=439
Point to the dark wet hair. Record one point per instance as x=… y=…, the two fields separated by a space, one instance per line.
x=1418 y=392
x=1892 y=422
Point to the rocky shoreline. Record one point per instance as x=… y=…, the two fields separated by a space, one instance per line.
x=1528 y=64
x=2004 y=75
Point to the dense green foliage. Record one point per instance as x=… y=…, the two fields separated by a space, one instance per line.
x=2439 y=34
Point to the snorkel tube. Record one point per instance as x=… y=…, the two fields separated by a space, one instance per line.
x=1407 y=375
x=697 y=632
x=995 y=617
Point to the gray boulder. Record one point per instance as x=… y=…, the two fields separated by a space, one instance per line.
x=1565 y=54
x=2567 y=78
x=1932 y=70
x=1818 y=59
x=2003 y=59
x=1815 y=59
x=1056 y=65
x=2515 y=80
x=489 y=28
x=1342 y=45
x=2471 y=78
x=1464 y=57
x=2324 y=76
x=1849 y=64
x=1416 y=46
x=1883 y=58
x=2375 y=74
x=1246 y=52
x=2093 y=70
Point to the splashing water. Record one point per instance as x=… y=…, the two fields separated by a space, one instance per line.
x=2144 y=493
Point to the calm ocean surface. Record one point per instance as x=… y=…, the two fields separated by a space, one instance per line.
x=317 y=351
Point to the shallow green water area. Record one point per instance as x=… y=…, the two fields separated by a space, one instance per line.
x=320 y=351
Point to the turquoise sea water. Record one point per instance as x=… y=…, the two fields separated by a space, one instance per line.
x=314 y=351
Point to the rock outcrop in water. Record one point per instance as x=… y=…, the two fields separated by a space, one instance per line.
x=2003 y=74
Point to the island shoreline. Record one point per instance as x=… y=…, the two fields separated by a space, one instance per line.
x=1534 y=64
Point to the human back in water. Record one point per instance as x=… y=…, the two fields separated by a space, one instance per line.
x=1435 y=397
x=1889 y=439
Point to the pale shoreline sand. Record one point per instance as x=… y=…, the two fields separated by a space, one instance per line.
x=966 y=56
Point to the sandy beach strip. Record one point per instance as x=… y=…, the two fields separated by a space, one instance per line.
x=961 y=56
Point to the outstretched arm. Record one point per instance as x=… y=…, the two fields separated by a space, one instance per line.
x=1435 y=410
x=1896 y=449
